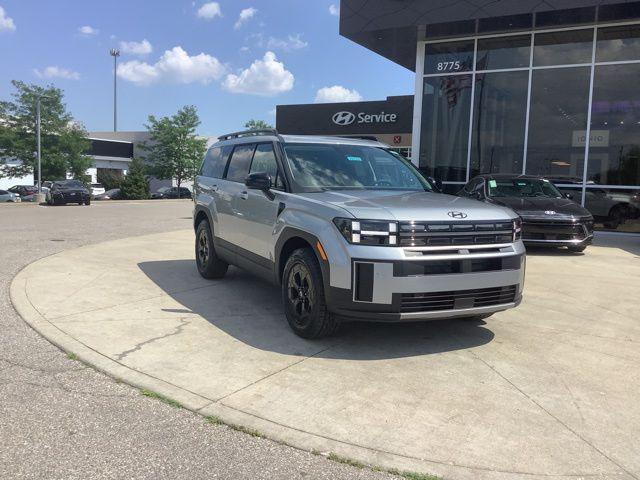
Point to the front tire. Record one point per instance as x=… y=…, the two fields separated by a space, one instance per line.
x=303 y=297
x=577 y=248
x=210 y=266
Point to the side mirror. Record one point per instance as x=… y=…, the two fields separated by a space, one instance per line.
x=569 y=196
x=259 y=181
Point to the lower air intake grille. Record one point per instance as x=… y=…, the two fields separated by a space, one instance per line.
x=435 y=301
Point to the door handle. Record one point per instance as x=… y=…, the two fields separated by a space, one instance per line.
x=244 y=195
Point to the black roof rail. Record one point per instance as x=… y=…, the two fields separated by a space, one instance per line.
x=360 y=137
x=249 y=133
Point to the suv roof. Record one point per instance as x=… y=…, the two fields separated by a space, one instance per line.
x=250 y=136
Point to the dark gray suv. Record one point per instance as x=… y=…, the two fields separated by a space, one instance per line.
x=351 y=231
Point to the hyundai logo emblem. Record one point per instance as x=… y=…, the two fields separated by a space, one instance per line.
x=343 y=118
x=458 y=215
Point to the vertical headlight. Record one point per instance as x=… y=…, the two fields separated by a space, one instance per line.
x=368 y=232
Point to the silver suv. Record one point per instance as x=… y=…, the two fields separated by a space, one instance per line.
x=351 y=231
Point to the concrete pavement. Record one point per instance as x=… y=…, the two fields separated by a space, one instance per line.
x=60 y=419
x=547 y=390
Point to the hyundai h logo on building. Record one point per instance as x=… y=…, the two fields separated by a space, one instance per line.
x=458 y=215
x=347 y=118
x=343 y=118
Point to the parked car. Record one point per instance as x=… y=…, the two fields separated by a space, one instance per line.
x=97 y=189
x=113 y=194
x=6 y=196
x=68 y=191
x=172 y=192
x=549 y=217
x=351 y=231
x=27 y=193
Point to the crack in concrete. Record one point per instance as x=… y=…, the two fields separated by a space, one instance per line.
x=177 y=330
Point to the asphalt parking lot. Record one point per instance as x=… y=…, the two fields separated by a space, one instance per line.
x=60 y=419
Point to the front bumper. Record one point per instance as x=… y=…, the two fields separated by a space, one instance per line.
x=543 y=233
x=407 y=284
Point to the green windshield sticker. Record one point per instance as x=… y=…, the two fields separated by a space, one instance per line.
x=493 y=183
x=354 y=159
x=522 y=184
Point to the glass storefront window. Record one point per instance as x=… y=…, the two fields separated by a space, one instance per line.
x=499 y=120
x=503 y=52
x=614 y=149
x=563 y=48
x=444 y=139
x=618 y=43
x=558 y=122
x=448 y=57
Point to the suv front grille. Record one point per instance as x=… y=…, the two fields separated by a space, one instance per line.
x=425 y=234
x=436 y=301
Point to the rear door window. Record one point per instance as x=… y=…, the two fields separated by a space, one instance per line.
x=238 y=168
x=215 y=161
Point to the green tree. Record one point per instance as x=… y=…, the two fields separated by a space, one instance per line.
x=109 y=178
x=63 y=141
x=174 y=151
x=135 y=185
x=257 y=125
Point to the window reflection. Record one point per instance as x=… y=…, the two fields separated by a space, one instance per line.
x=499 y=119
x=614 y=152
x=558 y=122
x=503 y=52
x=618 y=43
x=444 y=140
x=563 y=48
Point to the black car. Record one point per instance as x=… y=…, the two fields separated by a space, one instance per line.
x=172 y=192
x=549 y=218
x=113 y=194
x=62 y=192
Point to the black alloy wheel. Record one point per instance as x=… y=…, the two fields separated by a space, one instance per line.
x=303 y=296
x=209 y=265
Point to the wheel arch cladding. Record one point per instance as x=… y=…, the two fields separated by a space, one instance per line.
x=290 y=240
x=200 y=215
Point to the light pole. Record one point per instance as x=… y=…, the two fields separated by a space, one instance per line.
x=115 y=53
x=39 y=98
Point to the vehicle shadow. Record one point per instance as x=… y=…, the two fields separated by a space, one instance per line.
x=250 y=310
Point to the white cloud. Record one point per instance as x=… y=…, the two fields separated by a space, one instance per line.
x=6 y=22
x=334 y=10
x=209 y=11
x=337 y=94
x=136 y=48
x=245 y=15
x=293 y=42
x=88 y=31
x=57 y=72
x=264 y=77
x=174 y=66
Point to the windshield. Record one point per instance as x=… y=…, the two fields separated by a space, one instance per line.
x=316 y=166
x=520 y=188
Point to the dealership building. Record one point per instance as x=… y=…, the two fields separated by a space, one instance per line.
x=516 y=86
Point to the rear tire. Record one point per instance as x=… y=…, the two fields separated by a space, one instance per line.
x=87 y=201
x=304 y=298
x=577 y=248
x=210 y=266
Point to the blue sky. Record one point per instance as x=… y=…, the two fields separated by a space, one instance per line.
x=232 y=59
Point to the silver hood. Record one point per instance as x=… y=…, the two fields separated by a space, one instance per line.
x=407 y=206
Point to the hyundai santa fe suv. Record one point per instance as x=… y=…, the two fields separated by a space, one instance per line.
x=351 y=230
